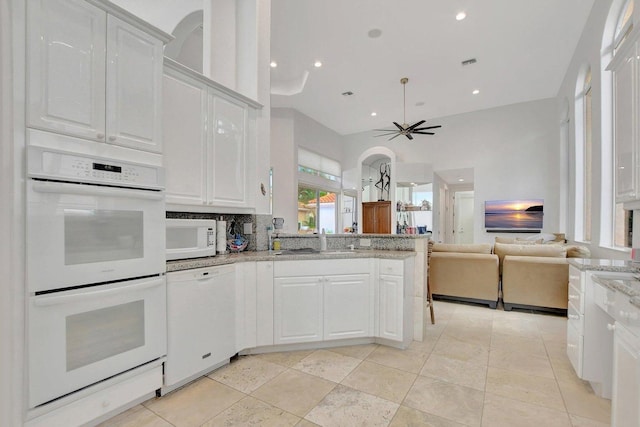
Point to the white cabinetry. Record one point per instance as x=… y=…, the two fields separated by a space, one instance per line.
x=625 y=410
x=245 y=305
x=297 y=309
x=210 y=141
x=201 y=321
x=264 y=297
x=626 y=101
x=589 y=328
x=312 y=306
x=92 y=75
x=395 y=302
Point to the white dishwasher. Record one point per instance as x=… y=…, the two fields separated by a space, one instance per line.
x=200 y=322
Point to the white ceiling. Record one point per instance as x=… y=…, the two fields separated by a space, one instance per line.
x=523 y=48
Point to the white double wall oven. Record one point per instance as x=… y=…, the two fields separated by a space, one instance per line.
x=95 y=269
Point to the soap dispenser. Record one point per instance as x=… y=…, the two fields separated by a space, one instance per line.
x=323 y=241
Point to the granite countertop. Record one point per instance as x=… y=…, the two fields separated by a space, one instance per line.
x=617 y=265
x=249 y=256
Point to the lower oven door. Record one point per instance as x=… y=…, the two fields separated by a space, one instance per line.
x=81 y=234
x=79 y=337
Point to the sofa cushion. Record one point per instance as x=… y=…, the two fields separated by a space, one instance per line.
x=576 y=251
x=480 y=248
x=555 y=251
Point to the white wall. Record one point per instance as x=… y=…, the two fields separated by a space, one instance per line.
x=513 y=151
x=588 y=52
x=164 y=14
x=291 y=129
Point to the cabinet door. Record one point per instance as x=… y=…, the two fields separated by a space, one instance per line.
x=183 y=120
x=133 y=87
x=383 y=218
x=390 y=314
x=297 y=311
x=264 y=291
x=624 y=133
x=625 y=410
x=347 y=307
x=246 y=305
x=66 y=67
x=227 y=152
x=368 y=218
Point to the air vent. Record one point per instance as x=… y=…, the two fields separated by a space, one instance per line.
x=347 y=93
x=469 y=62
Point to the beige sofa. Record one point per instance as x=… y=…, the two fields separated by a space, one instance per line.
x=464 y=272
x=533 y=276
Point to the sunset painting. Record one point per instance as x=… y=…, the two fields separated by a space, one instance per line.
x=513 y=214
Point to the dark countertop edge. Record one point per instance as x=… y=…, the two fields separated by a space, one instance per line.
x=188 y=264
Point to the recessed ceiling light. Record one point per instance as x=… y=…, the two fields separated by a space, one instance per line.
x=375 y=33
x=475 y=91
x=373 y=114
x=273 y=64
x=460 y=16
x=317 y=64
x=419 y=103
x=460 y=179
x=347 y=93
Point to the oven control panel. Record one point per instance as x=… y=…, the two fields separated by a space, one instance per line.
x=50 y=164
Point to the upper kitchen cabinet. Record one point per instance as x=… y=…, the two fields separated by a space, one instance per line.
x=94 y=72
x=209 y=142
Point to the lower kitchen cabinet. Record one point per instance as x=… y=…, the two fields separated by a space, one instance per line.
x=347 y=311
x=311 y=306
x=625 y=407
x=200 y=321
x=264 y=306
x=391 y=312
x=297 y=309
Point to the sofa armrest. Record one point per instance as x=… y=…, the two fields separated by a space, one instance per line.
x=535 y=281
x=466 y=275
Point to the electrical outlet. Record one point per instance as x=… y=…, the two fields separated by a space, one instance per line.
x=247 y=228
x=364 y=243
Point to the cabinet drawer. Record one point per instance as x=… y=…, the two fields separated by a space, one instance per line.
x=575 y=319
x=575 y=278
x=575 y=342
x=393 y=267
x=576 y=298
x=317 y=267
x=604 y=298
x=627 y=314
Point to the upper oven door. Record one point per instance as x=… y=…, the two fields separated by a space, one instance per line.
x=82 y=234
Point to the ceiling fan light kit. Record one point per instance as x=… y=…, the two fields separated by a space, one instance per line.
x=405 y=129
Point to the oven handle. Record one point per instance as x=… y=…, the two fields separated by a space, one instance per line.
x=94 y=190
x=92 y=294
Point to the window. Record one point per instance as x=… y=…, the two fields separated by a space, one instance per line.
x=318 y=188
x=617 y=151
x=584 y=162
x=316 y=211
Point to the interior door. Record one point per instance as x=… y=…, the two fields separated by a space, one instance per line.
x=463 y=217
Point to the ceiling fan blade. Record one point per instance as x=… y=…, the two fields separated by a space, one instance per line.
x=423 y=133
x=416 y=124
x=409 y=136
x=429 y=127
x=398 y=126
x=395 y=136
x=384 y=130
x=387 y=134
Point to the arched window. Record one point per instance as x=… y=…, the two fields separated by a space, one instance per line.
x=618 y=182
x=584 y=163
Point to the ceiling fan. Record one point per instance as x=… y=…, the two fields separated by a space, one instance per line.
x=405 y=129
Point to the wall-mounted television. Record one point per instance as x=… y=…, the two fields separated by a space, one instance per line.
x=515 y=216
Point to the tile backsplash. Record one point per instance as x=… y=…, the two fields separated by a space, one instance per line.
x=258 y=239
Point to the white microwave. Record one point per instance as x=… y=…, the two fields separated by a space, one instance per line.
x=190 y=238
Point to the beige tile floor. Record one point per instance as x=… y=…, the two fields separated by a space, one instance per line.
x=476 y=367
